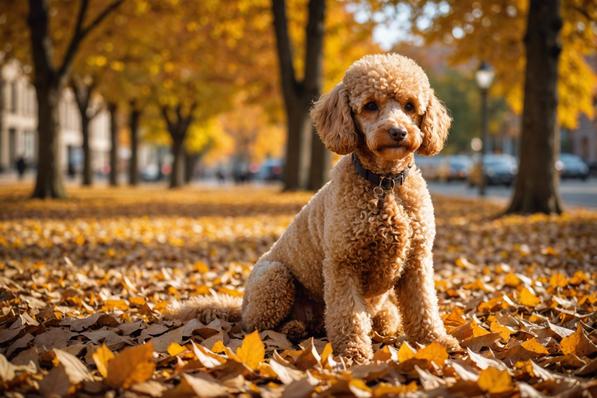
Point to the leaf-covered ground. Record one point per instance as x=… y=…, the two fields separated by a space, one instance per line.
x=84 y=281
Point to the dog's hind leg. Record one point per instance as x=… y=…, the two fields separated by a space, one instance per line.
x=386 y=321
x=269 y=295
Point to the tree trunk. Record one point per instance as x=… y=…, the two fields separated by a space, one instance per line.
x=319 y=170
x=113 y=109
x=189 y=166
x=48 y=81
x=537 y=182
x=87 y=156
x=297 y=146
x=49 y=182
x=134 y=116
x=177 y=172
x=320 y=157
x=299 y=95
x=2 y=85
x=48 y=87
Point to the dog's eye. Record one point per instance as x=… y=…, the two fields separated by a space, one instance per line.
x=409 y=107
x=371 y=106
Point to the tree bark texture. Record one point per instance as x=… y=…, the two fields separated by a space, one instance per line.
x=49 y=80
x=49 y=182
x=134 y=117
x=48 y=87
x=300 y=94
x=177 y=172
x=83 y=93
x=191 y=160
x=178 y=119
x=537 y=183
x=113 y=110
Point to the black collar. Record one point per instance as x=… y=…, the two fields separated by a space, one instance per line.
x=387 y=182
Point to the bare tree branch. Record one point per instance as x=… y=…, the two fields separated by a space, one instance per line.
x=165 y=114
x=81 y=32
x=284 y=47
x=314 y=39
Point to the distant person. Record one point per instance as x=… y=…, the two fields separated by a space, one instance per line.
x=221 y=176
x=71 y=169
x=21 y=165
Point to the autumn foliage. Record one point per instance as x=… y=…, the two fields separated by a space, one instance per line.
x=85 y=281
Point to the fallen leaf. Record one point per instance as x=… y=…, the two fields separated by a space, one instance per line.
x=578 y=343
x=102 y=357
x=198 y=385
x=131 y=366
x=252 y=351
x=495 y=381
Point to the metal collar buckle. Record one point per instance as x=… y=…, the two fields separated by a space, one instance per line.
x=387 y=183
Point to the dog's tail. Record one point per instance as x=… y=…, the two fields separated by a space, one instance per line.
x=206 y=308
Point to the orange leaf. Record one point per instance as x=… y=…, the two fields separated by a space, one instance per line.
x=132 y=365
x=495 y=381
x=252 y=351
x=528 y=298
x=101 y=357
x=405 y=352
x=434 y=352
x=533 y=345
x=578 y=343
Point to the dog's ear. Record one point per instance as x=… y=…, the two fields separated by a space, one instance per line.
x=333 y=121
x=434 y=126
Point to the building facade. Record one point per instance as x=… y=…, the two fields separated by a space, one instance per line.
x=18 y=125
x=583 y=140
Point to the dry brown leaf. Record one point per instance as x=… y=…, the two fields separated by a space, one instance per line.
x=199 y=385
x=131 y=366
x=76 y=371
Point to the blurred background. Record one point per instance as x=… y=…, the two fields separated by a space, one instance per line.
x=217 y=92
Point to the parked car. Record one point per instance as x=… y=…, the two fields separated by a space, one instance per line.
x=498 y=169
x=271 y=170
x=455 y=167
x=429 y=166
x=572 y=166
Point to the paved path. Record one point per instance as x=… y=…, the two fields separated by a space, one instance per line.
x=573 y=192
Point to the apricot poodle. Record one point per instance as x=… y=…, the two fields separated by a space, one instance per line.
x=358 y=256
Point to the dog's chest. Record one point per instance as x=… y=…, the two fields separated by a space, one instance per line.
x=383 y=245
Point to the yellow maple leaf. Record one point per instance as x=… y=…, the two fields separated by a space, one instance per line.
x=511 y=279
x=115 y=304
x=138 y=301
x=434 y=352
x=478 y=330
x=533 y=345
x=102 y=357
x=578 y=343
x=504 y=331
x=175 y=349
x=495 y=381
x=201 y=267
x=528 y=298
x=131 y=366
x=405 y=352
x=251 y=351
x=327 y=351
x=558 y=280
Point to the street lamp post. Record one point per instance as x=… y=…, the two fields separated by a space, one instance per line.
x=484 y=77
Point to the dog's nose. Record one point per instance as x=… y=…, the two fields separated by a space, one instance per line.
x=397 y=133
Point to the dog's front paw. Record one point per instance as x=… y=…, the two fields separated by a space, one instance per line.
x=449 y=342
x=354 y=355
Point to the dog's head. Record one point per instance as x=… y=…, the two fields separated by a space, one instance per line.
x=385 y=103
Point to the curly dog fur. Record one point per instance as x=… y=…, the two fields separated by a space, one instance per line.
x=353 y=260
